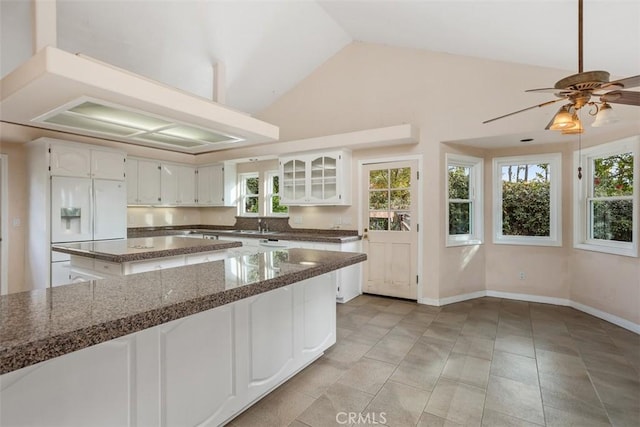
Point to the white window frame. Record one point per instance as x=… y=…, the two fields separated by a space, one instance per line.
x=582 y=189
x=555 y=221
x=269 y=194
x=242 y=177
x=476 y=185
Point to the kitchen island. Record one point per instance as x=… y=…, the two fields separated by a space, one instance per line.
x=100 y=259
x=180 y=346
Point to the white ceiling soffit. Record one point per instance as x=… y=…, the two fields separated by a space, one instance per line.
x=61 y=91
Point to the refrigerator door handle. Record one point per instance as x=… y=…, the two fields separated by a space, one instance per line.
x=92 y=210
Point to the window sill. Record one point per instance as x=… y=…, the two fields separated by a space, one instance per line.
x=527 y=242
x=470 y=242
x=612 y=250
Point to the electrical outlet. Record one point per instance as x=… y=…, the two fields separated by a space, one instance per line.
x=16 y=222
x=338 y=220
x=346 y=220
x=522 y=275
x=297 y=219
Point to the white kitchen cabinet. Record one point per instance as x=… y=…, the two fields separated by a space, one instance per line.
x=217 y=185
x=177 y=184
x=76 y=160
x=202 y=369
x=143 y=182
x=348 y=280
x=316 y=178
x=93 y=267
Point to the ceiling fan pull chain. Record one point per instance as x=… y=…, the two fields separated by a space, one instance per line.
x=580 y=65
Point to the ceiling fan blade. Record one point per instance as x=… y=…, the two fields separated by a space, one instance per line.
x=627 y=97
x=627 y=83
x=544 y=104
x=562 y=92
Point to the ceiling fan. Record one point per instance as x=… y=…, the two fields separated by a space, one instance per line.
x=579 y=89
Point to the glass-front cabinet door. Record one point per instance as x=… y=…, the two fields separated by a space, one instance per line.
x=316 y=179
x=294 y=178
x=324 y=179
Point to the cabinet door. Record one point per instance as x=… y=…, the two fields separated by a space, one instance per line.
x=324 y=176
x=186 y=185
x=107 y=165
x=169 y=184
x=132 y=181
x=70 y=161
x=293 y=181
x=211 y=185
x=148 y=182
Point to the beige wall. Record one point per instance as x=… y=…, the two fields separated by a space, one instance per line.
x=17 y=198
x=448 y=97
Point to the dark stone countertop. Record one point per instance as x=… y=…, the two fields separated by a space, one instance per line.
x=307 y=235
x=39 y=325
x=142 y=248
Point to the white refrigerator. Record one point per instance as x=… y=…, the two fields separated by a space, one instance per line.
x=87 y=209
x=84 y=209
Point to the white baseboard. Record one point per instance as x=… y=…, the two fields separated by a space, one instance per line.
x=529 y=298
x=623 y=323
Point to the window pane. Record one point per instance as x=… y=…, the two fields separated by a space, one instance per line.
x=378 y=221
x=459 y=218
x=400 y=221
x=459 y=182
x=276 y=207
x=275 y=185
x=252 y=185
x=613 y=176
x=378 y=200
x=379 y=179
x=400 y=199
x=612 y=220
x=526 y=200
x=401 y=178
x=251 y=204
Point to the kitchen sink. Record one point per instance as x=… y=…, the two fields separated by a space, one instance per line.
x=256 y=232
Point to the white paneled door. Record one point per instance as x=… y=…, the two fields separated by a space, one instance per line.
x=390 y=231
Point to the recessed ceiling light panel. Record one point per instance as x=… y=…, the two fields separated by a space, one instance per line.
x=108 y=119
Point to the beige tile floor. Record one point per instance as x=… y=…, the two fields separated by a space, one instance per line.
x=487 y=361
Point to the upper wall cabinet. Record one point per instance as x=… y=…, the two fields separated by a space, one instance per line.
x=152 y=182
x=143 y=182
x=216 y=185
x=68 y=159
x=316 y=178
x=178 y=184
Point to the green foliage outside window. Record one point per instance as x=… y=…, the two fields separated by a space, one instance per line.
x=460 y=209
x=276 y=207
x=251 y=199
x=613 y=177
x=526 y=200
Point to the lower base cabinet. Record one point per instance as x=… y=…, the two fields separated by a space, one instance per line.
x=202 y=370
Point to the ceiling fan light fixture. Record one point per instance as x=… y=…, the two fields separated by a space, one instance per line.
x=576 y=128
x=605 y=116
x=563 y=119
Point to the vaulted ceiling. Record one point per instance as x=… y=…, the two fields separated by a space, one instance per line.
x=268 y=46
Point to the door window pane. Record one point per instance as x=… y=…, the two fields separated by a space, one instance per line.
x=379 y=179
x=378 y=200
x=400 y=221
x=400 y=199
x=400 y=178
x=378 y=222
